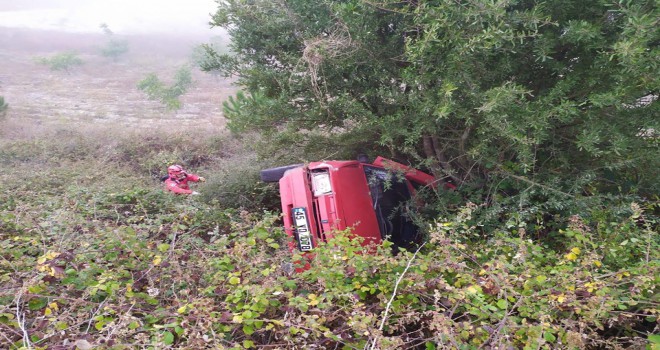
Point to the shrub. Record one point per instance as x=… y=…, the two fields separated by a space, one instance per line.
x=93 y=251
x=236 y=184
x=169 y=271
x=167 y=95
x=3 y=107
x=151 y=152
x=114 y=48
x=61 y=62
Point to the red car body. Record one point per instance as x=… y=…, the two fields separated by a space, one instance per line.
x=369 y=198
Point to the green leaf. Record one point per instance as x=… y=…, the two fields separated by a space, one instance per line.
x=163 y=247
x=168 y=338
x=541 y=279
x=290 y=284
x=248 y=329
x=262 y=233
x=502 y=304
x=549 y=337
x=37 y=304
x=654 y=338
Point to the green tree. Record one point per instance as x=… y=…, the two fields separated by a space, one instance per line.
x=114 y=48
x=536 y=101
x=217 y=44
x=167 y=95
x=61 y=62
x=307 y=70
x=533 y=93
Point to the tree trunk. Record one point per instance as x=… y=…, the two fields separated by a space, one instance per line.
x=439 y=164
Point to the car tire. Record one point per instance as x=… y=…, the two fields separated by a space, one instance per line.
x=275 y=174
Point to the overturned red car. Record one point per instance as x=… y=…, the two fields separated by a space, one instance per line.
x=369 y=198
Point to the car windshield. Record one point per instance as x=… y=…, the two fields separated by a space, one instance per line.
x=390 y=195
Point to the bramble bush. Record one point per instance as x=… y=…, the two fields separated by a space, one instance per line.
x=90 y=259
x=236 y=184
x=123 y=277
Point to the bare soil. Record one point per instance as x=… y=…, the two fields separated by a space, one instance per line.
x=101 y=91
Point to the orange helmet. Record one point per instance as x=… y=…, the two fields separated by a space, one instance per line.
x=176 y=171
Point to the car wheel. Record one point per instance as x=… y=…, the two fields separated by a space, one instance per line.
x=275 y=174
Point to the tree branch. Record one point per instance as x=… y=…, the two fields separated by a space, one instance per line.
x=20 y=319
x=396 y=286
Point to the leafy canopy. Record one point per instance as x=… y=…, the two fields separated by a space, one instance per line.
x=522 y=101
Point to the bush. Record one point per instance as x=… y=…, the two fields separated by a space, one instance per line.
x=167 y=95
x=115 y=49
x=236 y=184
x=95 y=253
x=152 y=152
x=3 y=107
x=61 y=62
x=154 y=277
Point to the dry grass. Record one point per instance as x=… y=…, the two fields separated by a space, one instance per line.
x=102 y=93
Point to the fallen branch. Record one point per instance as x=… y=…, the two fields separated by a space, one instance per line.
x=91 y=319
x=20 y=319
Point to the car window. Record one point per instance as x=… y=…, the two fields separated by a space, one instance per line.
x=389 y=194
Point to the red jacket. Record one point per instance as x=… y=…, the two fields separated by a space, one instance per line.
x=181 y=186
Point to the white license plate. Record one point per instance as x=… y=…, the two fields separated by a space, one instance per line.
x=302 y=229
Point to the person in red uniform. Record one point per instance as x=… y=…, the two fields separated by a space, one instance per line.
x=177 y=180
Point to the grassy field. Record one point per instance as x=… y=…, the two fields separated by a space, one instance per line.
x=102 y=92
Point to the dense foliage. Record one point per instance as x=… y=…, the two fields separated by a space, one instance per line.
x=543 y=113
x=90 y=261
x=94 y=254
x=523 y=104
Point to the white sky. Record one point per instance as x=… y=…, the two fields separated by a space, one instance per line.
x=122 y=16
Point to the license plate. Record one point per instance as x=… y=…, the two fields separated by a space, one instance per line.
x=302 y=229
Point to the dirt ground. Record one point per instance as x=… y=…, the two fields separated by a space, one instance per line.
x=101 y=91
